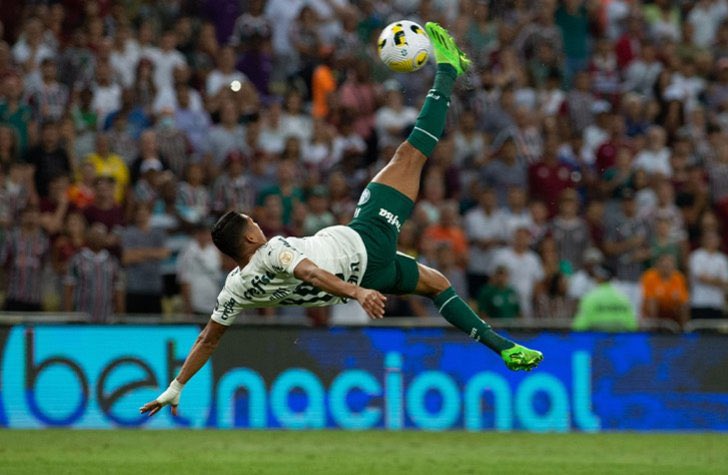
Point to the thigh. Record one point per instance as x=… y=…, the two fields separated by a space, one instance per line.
x=399 y=277
x=378 y=218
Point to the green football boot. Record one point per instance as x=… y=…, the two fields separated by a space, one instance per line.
x=446 y=50
x=520 y=358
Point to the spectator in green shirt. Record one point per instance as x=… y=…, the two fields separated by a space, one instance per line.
x=605 y=308
x=497 y=299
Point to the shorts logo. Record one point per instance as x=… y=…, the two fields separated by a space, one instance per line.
x=390 y=217
x=366 y=194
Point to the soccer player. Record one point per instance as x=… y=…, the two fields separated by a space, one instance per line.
x=359 y=261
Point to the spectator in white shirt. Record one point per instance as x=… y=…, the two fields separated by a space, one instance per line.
x=708 y=270
x=225 y=74
x=124 y=56
x=705 y=17
x=524 y=268
x=165 y=60
x=394 y=118
x=655 y=158
x=484 y=227
x=199 y=273
x=106 y=93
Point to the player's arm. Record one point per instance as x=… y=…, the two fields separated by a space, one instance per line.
x=371 y=301
x=203 y=348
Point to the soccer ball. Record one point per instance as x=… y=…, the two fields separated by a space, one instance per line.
x=404 y=46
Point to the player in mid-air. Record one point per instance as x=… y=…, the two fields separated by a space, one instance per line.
x=359 y=261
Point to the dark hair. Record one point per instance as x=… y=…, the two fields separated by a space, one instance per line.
x=228 y=232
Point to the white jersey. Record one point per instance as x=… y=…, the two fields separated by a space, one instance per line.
x=268 y=281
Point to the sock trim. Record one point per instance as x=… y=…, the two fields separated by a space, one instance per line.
x=447 y=302
x=427 y=133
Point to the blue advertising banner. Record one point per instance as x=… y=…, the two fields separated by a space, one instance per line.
x=368 y=378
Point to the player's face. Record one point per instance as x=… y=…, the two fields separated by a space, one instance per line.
x=254 y=229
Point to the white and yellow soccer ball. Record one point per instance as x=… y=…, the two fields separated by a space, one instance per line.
x=404 y=46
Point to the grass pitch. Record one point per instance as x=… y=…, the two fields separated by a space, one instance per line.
x=334 y=452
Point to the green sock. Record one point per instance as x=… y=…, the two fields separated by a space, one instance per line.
x=460 y=315
x=431 y=121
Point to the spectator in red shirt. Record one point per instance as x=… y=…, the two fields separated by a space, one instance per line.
x=105 y=210
x=548 y=177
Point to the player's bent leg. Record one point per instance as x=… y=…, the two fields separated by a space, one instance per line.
x=403 y=171
x=458 y=313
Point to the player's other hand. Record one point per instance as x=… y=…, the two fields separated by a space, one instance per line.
x=170 y=397
x=371 y=301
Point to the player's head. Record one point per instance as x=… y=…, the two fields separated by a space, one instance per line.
x=234 y=233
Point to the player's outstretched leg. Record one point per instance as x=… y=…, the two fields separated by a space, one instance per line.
x=454 y=309
x=403 y=171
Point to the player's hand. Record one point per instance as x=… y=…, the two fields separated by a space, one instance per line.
x=371 y=301
x=169 y=397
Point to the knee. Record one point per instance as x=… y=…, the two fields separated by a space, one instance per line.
x=432 y=282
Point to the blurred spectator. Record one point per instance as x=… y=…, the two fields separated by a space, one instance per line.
x=484 y=228
x=448 y=230
x=107 y=163
x=173 y=143
x=294 y=121
x=570 y=231
x=48 y=159
x=394 y=118
x=199 y=272
x=517 y=214
x=524 y=268
x=23 y=255
x=225 y=75
x=654 y=159
x=626 y=241
x=106 y=93
x=31 y=49
x=47 y=97
x=548 y=177
x=505 y=171
x=15 y=112
x=124 y=56
x=165 y=59
x=227 y=136
x=605 y=308
x=318 y=216
x=54 y=207
x=104 y=209
x=195 y=123
x=708 y=279
x=232 y=189
x=193 y=195
x=665 y=292
x=286 y=188
x=664 y=241
x=323 y=83
x=585 y=278
x=498 y=299
x=94 y=283
x=9 y=147
x=143 y=252
x=71 y=239
x=553 y=301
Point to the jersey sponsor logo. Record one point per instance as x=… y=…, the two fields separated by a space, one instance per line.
x=257 y=285
x=365 y=195
x=390 y=217
x=227 y=308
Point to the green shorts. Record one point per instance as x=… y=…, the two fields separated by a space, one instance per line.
x=379 y=215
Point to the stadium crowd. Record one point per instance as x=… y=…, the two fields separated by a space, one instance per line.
x=588 y=149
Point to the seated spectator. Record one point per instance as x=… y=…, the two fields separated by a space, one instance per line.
x=148 y=152
x=194 y=123
x=498 y=299
x=108 y=163
x=524 y=266
x=665 y=292
x=318 y=216
x=94 y=283
x=199 y=272
x=448 y=230
x=23 y=255
x=172 y=142
x=708 y=278
x=107 y=93
x=142 y=253
x=605 y=308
